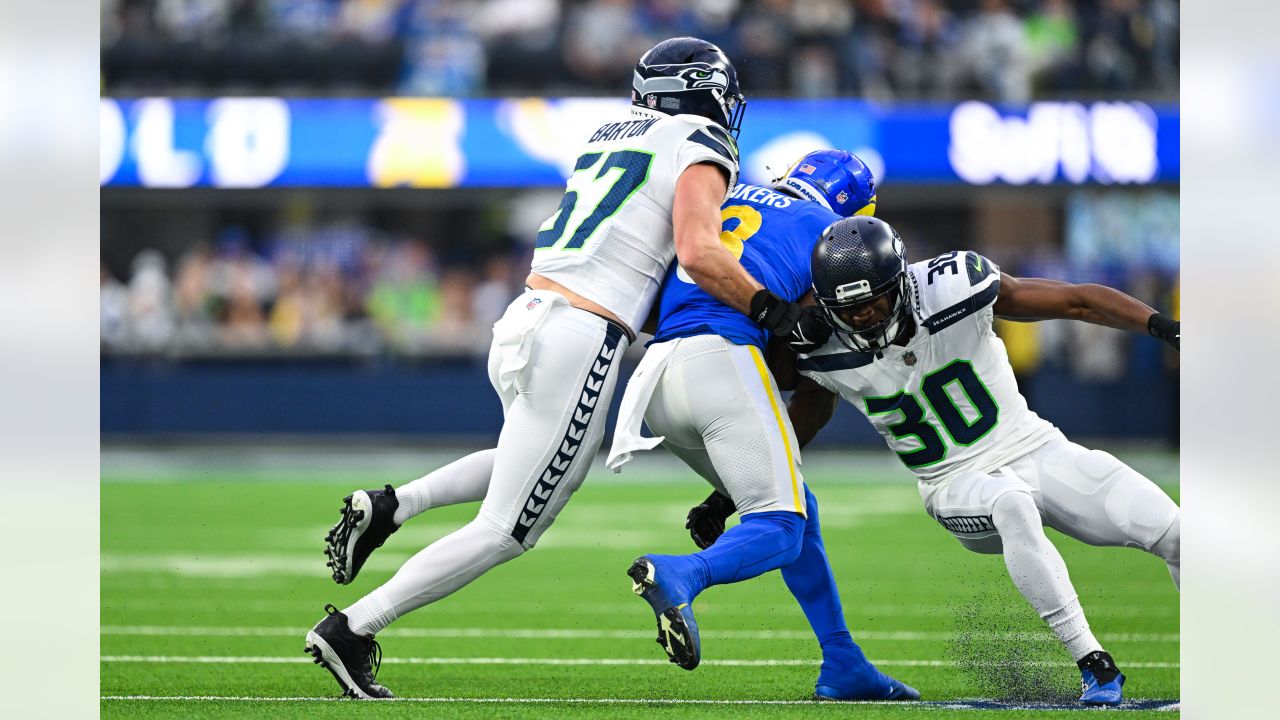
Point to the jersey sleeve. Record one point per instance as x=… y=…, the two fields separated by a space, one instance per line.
x=957 y=285
x=705 y=142
x=818 y=377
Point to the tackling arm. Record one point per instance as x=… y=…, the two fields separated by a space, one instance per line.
x=810 y=409
x=695 y=218
x=1031 y=299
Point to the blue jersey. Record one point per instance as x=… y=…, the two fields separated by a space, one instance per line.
x=773 y=236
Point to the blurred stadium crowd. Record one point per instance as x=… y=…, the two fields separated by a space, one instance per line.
x=341 y=288
x=350 y=285
x=1004 y=50
x=348 y=274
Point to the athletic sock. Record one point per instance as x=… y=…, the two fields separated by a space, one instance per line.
x=761 y=542
x=463 y=480
x=1068 y=623
x=368 y=615
x=813 y=585
x=1038 y=571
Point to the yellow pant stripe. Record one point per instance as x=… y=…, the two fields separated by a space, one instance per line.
x=765 y=378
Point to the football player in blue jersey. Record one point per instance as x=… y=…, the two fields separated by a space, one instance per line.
x=704 y=389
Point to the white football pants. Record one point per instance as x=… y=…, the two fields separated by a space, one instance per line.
x=1086 y=494
x=555 y=368
x=717 y=408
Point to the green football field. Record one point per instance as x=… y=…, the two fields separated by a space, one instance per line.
x=213 y=569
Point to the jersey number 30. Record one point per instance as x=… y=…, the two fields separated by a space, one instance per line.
x=594 y=187
x=960 y=429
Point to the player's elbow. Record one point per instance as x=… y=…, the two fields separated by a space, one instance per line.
x=695 y=256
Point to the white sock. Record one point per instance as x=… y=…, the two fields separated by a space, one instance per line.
x=441 y=568
x=1039 y=573
x=463 y=480
x=1071 y=627
x=370 y=614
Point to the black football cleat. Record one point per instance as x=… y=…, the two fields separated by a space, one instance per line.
x=368 y=519
x=352 y=659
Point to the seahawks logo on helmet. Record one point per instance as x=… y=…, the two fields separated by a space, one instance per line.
x=705 y=76
x=691 y=76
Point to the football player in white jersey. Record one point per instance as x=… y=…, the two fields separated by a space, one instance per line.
x=645 y=189
x=915 y=351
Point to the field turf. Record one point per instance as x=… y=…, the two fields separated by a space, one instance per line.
x=212 y=570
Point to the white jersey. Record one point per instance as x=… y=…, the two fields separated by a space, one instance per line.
x=611 y=239
x=947 y=402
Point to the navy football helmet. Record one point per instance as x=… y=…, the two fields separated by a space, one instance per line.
x=857 y=261
x=836 y=179
x=689 y=75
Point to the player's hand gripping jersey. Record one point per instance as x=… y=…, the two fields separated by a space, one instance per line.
x=947 y=402
x=611 y=238
x=772 y=235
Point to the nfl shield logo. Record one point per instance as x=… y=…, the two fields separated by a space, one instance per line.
x=807 y=169
x=842 y=196
x=909 y=358
x=533 y=303
x=651 y=100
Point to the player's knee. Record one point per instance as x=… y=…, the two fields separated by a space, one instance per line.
x=503 y=540
x=1016 y=513
x=1169 y=546
x=790 y=528
x=811 y=510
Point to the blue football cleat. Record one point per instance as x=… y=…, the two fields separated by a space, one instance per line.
x=1101 y=682
x=677 y=630
x=1096 y=693
x=850 y=676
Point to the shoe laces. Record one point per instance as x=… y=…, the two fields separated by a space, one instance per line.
x=374 y=659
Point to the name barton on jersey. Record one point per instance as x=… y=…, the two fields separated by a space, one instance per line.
x=611 y=238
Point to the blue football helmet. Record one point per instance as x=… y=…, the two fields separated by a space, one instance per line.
x=688 y=75
x=836 y=179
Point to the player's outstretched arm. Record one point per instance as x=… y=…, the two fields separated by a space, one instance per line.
x=1031 y=299
x=695 y=218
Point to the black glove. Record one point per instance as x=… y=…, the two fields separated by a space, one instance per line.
x=802 y=329
x=1165 y=328
x=812 y=332
x=706 y=521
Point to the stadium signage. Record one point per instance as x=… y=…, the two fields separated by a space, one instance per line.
x=521 y=142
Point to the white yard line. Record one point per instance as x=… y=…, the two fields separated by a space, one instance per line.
x=1161 y=705
x=573 y=633
x=589 y=701
x=299 y=659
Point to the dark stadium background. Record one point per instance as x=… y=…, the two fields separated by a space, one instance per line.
x=319 y=307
